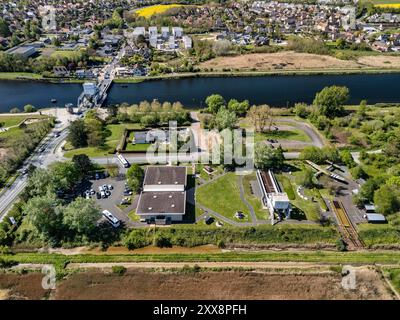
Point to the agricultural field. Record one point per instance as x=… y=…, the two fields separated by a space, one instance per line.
x=147 y=12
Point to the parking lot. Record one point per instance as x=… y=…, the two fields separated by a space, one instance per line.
x=111 y=202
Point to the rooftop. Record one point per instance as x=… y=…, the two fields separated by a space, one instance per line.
x=161 y=202
x=165 y=176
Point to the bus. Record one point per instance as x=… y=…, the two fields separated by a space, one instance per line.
x=111 y=218
x=123 y=160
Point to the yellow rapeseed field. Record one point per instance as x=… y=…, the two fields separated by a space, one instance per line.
x=388 y=5
x=157 y=9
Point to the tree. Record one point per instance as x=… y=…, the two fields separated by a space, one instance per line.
x=225 y=119
x=134 y=176
x=4 y=29
x=240 y=108
x=215 y=102
x=77 y=134
x=306 y=178
x=330 y=100
x=301 y=110
x=392 y=147
x=45 y=213
x=82 y=215
x=82 y=164
x=15 y=110
x=40 y=183
x=65 y=175
x=29 y=108
x=222 y=47
x=387 y=199
x=260 y=117
x=94 y=129
x=267 y=158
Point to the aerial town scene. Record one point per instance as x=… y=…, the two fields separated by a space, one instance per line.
x=199 y=150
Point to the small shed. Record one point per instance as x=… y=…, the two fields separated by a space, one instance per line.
x=370 y=208
x=376 y=218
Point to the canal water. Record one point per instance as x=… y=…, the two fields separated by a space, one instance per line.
x=191 y=92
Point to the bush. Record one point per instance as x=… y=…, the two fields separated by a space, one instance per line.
x=341 y=245
x=7 y=263
x=162 y=241
x=119 y=270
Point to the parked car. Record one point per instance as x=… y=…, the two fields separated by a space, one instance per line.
x=103 y=194
x=98 y=195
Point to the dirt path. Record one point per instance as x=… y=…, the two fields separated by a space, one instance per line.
x=173 y=265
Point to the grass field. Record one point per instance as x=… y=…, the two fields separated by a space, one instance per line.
x=59 y=54
x=294 y=134
x=147 y=12
x=222 y=196
x=19 y=75
x=9 y=120
x=114 y=132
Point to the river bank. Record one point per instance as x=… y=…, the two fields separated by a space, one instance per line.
x=27 y=76
x=306 y=72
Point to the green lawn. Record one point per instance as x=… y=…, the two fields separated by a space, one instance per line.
x=302 y=209
x=137 y=147
x=16 y=75
x=255 y=202
x=60 y=54
x=114 y=133
x=294 y=134
x=222 y=196
x=10 y=120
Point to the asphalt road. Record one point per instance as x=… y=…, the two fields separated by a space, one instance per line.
x=38 y=159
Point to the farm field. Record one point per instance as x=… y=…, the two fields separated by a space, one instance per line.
x=175 y=285
x=147 y=12
x=290 y=60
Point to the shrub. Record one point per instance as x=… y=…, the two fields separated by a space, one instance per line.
x=7 y=263
x=119 y=270
x=341 y=245
x=162 y=241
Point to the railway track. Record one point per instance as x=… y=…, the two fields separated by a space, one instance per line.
x=346 y=227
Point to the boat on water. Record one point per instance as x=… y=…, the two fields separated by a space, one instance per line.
x=53 y=100
x=124 y=86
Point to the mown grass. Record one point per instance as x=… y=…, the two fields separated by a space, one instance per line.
x=114 y=133
x=10 y=120
x=252 y=199
x=19 y=75
x=295 y=134
x=222 y=196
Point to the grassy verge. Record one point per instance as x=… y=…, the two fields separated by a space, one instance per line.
x=379 y=234
x=315 y=256
x=19 y=75
x=394 y=277
x=252 y=199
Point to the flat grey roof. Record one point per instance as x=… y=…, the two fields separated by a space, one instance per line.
x=21 y=50
x=165 y=176
x=161 y=202
x=375 y=217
